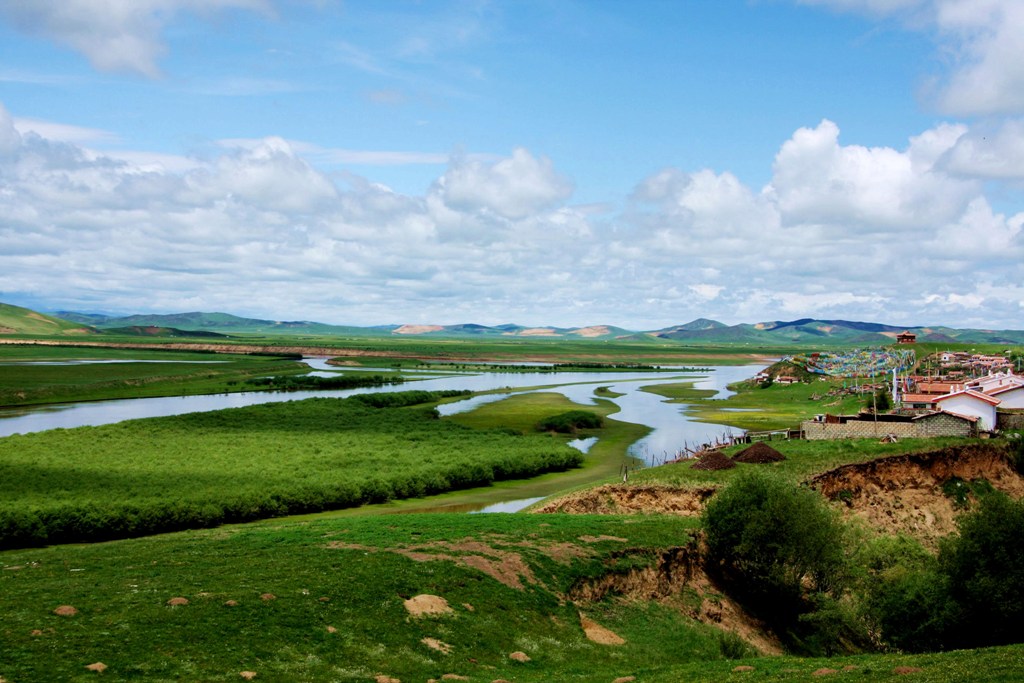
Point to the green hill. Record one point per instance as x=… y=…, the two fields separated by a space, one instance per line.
x=221 y=323
x=18 y=320
x=774 y=333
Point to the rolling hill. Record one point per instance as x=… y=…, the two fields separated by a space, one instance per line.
x=17 y=320
x=803 y=331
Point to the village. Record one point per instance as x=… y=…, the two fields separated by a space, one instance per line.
x=946 y=394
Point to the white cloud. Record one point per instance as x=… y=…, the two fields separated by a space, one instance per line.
x=256 y=229
x=115 y=35
x=989 y=150
x=63 y=132
x=515 y=187
x=818 y=181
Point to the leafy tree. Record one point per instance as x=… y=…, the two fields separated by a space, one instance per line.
x=764 y=529
x=984 y=567
x=904 y=597
x=779 y=548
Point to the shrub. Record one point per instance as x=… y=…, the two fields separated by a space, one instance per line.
x=779 y=549
x=570 y=422
x=905 y=599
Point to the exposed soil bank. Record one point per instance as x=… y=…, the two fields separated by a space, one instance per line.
x=904 y=493
x=625 y=499
x=676 y=577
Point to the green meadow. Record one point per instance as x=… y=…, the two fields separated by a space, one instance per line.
x=265 y=542
x=26 y=379
x=325 y=600
x=203 y=469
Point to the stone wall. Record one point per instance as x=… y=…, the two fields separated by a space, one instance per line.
x=1010 y=419
x=929 y=427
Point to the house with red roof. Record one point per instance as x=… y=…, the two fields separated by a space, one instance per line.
x=971 y=403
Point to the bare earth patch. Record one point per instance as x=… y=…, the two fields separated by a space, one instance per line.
x=435 y=644
x=417 y=329
x=65 y=611
x=627 y=499
x=502 y=564
x=602 y=537
x=427 y=606
x=599 y=634
x=673 y=574
x=175 y=602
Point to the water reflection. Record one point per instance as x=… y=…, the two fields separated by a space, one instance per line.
x=509 y=505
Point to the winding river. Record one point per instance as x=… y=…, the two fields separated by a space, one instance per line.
x=671 y=428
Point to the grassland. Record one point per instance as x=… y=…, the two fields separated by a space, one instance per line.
x=320 y=598
x=25 y=379
x=324 y=601
x=413 y=350
x=203 y=469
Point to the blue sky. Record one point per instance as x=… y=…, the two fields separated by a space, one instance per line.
x=571 y=163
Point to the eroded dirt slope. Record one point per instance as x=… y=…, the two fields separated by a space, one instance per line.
x=626 y=499
x=905 y=493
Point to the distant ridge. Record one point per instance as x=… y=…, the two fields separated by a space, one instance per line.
x=802 y=331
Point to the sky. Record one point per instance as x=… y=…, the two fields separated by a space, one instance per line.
x=540 y=162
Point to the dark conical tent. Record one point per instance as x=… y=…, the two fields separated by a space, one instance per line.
x=759 y=453
x=713 y=460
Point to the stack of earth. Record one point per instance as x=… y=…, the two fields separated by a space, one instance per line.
x=713 y=460
x=760 y=453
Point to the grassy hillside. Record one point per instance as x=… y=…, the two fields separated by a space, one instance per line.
x=15 y=320
x=326 y=600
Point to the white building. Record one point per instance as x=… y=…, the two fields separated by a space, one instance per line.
x=971 y=403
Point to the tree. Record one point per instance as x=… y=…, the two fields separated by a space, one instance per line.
x=984 y=566
x=779 y=549
x=764 y=529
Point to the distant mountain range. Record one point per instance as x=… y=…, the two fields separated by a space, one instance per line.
x=803 y=332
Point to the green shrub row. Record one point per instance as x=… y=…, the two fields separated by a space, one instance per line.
x=571 y=421
x=303 y=382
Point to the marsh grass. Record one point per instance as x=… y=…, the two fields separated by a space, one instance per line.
x=202 y=469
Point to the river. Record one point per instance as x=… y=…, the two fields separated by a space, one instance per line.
x=671 y=428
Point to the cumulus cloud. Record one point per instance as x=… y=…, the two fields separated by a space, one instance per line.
x=115 y=35
x=990 y=150
x=256 y=229
x=514 y=187
x=817 y=180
